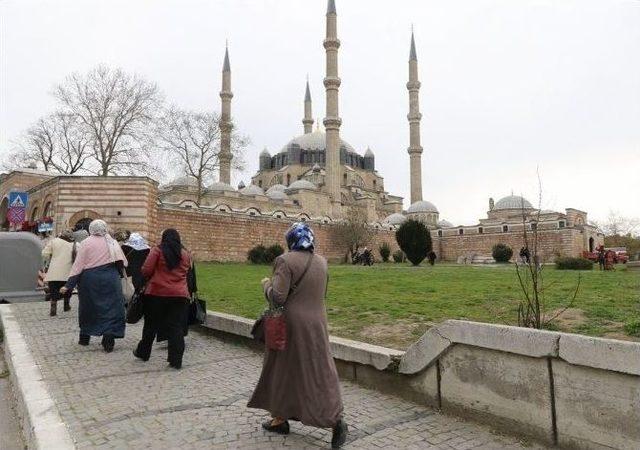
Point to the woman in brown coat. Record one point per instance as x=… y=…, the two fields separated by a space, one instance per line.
x=301 y=381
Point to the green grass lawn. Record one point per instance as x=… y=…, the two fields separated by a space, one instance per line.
x=393 y=304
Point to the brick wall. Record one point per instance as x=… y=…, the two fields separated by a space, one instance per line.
x=228 y=237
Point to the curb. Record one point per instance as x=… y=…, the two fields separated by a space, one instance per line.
x=41 y=423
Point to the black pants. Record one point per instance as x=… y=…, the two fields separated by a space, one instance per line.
x=168 y=314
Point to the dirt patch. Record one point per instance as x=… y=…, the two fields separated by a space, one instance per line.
x=398 y=335
x=620 y=336
x=569 y=319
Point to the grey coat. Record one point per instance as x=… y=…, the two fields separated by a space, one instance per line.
x=300 y=382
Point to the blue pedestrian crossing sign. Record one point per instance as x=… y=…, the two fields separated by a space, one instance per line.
x=18 y=200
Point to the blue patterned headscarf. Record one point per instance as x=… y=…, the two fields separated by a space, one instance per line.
x=300 y=237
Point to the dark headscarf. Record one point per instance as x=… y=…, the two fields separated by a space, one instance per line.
x=171 y=248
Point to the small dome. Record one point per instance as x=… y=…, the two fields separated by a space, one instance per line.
x=422 y=207
x=513 y=202
x=277 y=195
x=395 y=219
x=444 y=224
x=241 y=185
x=182 y=181
x=220 y=187
x=276 y=187
x=316 y=168
x=252 y=189
x=302 y=184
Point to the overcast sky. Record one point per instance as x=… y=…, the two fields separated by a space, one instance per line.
x=507 y=86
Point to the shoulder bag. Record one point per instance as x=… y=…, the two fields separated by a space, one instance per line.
x=274 y=321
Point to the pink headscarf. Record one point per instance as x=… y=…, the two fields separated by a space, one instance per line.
x=97 y=250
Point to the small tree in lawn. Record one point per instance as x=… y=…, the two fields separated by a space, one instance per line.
x=502 y=253
x=353 y=231
x=385 y=251
x=415 y=240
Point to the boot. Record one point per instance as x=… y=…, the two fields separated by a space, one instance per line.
x=340 y=432
x=54 y=308
x=282 y=428
x=67 y=304
x=108 y=342
x=84 y=339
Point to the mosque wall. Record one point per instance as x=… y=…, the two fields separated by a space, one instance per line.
x=215 y=236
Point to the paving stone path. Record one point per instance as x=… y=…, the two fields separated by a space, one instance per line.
x=113 y=401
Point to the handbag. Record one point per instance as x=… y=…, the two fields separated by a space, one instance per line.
x=128 y=290
x=135 y=307
x=274 y=320
x=197 y=311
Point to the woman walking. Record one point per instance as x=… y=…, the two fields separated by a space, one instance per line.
x=301 y=381
x=136 y=250
x=97 y=272
x=59 y=255
x=166 y=297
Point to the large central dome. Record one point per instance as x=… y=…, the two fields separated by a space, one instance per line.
x=314 y=141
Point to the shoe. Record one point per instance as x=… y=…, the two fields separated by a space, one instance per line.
x=282 y=428
x=340 y=432
x=135 y=353
x=176 y=366
x=67 y=306
x=54 y=308
x=108 y=342
x=84 y=339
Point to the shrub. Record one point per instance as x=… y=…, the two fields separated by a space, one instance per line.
x=257 y=254
x=385 y=252
x=272 y=252
x=414 y=240
x=398 y=256
x=573 y=264
x=502 y=253
x=632 y=327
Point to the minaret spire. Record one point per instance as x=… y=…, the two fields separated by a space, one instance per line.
x=332 y=119
x=307 y=121
x=414 y=117
x=226 y=126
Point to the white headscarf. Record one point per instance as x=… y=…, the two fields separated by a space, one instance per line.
x=98 y=227
x=137 y=242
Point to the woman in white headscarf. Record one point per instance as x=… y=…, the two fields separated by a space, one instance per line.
x=136 y=249
x=97 y=271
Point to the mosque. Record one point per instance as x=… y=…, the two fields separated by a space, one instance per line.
x=316 y=176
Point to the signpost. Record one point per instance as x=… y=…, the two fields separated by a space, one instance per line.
x=17 y=207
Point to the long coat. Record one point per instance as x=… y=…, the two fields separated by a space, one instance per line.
x=300 y=382
x=60 y=252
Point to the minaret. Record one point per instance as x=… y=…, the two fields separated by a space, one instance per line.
x=225 y=122
x=307 y=121
x=414 y=116
x=332 y=120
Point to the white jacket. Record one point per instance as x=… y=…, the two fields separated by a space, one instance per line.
x=60 y=252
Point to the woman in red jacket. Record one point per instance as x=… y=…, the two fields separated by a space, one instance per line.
x=166 y=297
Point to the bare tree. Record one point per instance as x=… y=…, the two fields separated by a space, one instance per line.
x=353 y=231
x=618 y=225
x=532 y=308
x=194 y=139
x=56 y=143
x=117 y=111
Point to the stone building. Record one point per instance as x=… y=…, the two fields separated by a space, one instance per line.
x=315 y=177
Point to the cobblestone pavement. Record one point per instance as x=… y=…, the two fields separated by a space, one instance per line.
x=113 y=401
x=10 y=437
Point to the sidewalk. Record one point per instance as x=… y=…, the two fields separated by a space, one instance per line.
x=113 y=401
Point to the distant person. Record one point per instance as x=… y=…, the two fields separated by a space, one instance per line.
x=609 y=260
x=136 y=250
x=97 y=271
x=79 y=236
x=431 y=256
x=601 y=258
x=58 y=256
x=166 y=297
x=525 y=255
x=301 y=382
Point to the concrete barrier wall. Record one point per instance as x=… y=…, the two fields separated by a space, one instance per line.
x=570 y=390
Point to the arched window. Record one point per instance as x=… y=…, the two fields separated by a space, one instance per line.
x=480 y=230
x=288 y=179
x=561 y=224
x=505 y=228
x=439 y=233
x=34 y=214
x=47 y=210
x=461 y=231
x=260 y=183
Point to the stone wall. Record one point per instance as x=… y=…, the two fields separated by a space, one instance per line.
x=216 y=236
